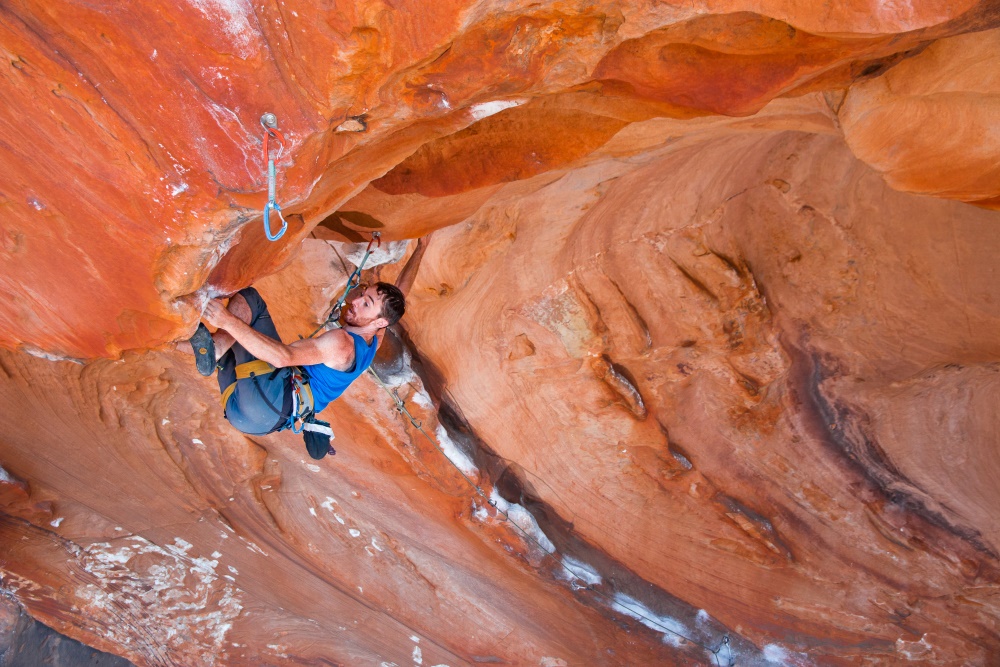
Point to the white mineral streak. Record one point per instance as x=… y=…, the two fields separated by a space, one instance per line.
x=48 y=356
x=390 y=252
x=454 y=454
x=776 y=654
x=233 y=15
x=480 y=512
x=279 y=649
x=780 y=656
x=911 y=650
x=580 y=570
x=523 y=519
x=13 y=583
x=177 y=600
x=484 y=109
x=671 y=628
x=423 y=399
x=253 y=547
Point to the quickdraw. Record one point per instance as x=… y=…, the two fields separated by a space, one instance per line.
x=304 y=400
x=270 y=124
x=353 y=281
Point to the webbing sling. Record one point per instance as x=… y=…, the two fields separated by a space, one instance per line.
x=256 y=368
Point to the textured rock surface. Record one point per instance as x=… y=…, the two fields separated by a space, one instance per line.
x=140 y=178
x=795 y=439
x=932 y=125
x=687 y=317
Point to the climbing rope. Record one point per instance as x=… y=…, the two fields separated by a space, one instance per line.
x=353 y=281
x=402 y=409
x=270 y=124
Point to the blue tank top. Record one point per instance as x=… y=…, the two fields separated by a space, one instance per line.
x=327 y=383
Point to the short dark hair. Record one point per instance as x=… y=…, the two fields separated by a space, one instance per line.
x=393 y=302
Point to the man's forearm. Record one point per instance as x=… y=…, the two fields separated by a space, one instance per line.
x=409 y=273
x=263 y=347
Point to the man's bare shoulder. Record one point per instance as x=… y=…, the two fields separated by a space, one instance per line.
x=333 y=336
x=338 y=349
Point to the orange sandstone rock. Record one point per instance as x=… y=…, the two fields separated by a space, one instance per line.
x=145 y=158
x=932 y=124
x=687 y=366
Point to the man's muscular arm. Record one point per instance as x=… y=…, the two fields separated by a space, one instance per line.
x=334 y=347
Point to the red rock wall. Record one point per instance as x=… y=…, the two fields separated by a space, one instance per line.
x=908 y=126
x=686 y=301
x=741 y=316
x=140 y=176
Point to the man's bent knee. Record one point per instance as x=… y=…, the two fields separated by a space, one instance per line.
x=254 y=302
x=239 y=307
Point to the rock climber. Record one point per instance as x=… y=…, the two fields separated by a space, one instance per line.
x=269 y=386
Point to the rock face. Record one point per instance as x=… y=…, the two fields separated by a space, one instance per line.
x=700 y=354
x=905 y=124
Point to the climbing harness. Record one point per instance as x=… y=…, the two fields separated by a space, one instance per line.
x=304 y=402
x=270 y=124
x=353 y=281
x=402 y=409
x=316 y=433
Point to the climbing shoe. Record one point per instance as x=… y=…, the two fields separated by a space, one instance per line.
x=204 y=350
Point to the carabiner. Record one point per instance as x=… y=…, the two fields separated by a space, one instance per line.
x=268 y=207
x=270 y=124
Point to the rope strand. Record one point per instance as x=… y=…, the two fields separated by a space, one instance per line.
x=352 y=281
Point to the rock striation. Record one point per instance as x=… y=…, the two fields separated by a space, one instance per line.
x=700 y=356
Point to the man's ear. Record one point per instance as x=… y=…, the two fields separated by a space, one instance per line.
x=381 y=323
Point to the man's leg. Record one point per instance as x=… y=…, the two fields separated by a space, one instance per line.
x=224 y=340
x=254 y=405
x=247 y=305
